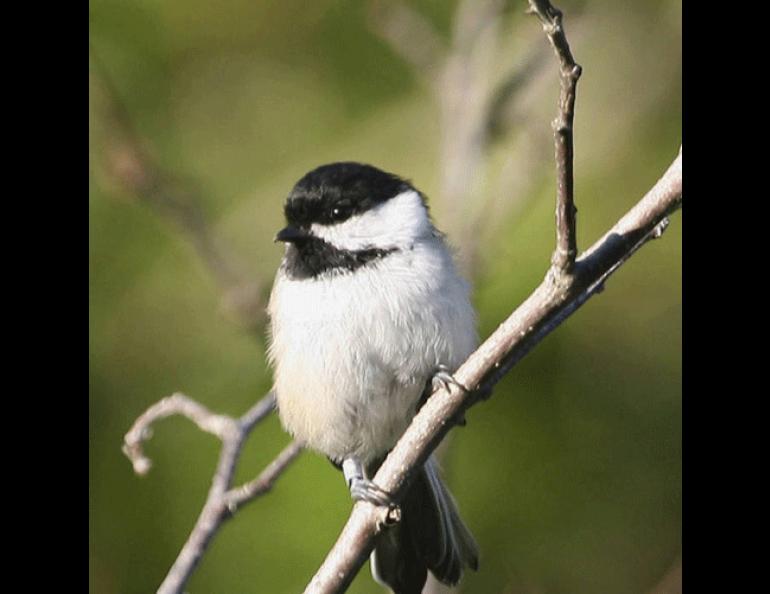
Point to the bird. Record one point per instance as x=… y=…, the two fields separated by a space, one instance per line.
x=367 y=312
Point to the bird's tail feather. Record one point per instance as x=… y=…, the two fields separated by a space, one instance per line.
x=431 y=536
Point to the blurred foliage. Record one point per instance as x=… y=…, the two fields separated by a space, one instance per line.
x=570 y=476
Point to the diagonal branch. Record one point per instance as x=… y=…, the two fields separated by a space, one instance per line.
x=569 y=283
x=569 y=73
x=543 y=311
x=223 y=500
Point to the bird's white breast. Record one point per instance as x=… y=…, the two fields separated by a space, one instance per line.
x=352 y=351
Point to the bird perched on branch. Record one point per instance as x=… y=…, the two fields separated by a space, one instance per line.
x=367 y=312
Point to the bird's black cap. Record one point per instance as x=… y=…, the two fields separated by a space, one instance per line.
x=334 y=192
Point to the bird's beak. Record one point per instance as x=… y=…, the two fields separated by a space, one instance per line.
x=291 y=235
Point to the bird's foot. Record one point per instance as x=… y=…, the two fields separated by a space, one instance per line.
x=363 y=489
x=443 y=379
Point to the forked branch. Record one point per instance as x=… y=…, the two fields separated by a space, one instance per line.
x=223 y=500
x=543 y=311
x=569 y=283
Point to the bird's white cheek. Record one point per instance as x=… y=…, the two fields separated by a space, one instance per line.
x=395 y=223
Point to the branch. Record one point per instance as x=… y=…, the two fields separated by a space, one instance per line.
x=223 y=500
x=569 y=73
x=240 y=496
x=126 y=161
x=543 y=311
x=176 y=404
x=568 y=284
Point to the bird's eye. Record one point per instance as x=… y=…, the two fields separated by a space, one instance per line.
x=340 y=212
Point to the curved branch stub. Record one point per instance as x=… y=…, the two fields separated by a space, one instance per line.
x=222 y=426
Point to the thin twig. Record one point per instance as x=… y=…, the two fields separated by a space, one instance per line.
x=545 y=309
x=569 y=73
x=472 y=109
x=237 y=497
x=222 y=500
x=259 y=411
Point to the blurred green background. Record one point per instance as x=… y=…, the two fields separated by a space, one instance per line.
x=570 y=476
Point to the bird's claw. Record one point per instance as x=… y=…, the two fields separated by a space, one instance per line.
x=443 y=379
x=362 y=489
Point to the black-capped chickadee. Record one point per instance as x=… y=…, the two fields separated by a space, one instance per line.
x=366 y=312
